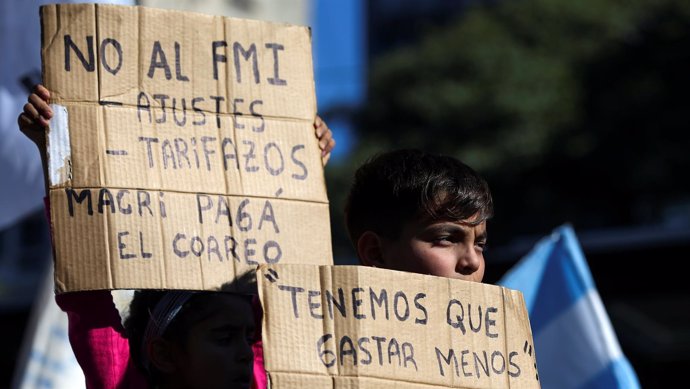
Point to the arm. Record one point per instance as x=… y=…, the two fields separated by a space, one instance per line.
x=98 y=340
x=33 y=122
x=94 y=329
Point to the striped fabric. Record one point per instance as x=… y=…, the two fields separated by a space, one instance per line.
x=575 y=343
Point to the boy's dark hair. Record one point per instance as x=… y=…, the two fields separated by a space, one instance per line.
x=396 y=187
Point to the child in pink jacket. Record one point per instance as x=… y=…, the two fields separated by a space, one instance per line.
x=172 y=339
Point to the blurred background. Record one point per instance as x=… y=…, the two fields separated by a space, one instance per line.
x=574 y=111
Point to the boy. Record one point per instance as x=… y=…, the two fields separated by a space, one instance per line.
x=417 y=212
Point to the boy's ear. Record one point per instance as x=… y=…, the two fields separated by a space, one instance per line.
x=161 y=355
x=369 y=249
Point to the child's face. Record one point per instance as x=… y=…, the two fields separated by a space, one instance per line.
x=441 y=248
x=218 y=350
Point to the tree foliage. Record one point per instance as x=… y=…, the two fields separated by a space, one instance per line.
x=573 y=110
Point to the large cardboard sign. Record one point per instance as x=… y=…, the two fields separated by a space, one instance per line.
x=182 y=152
x=360 y=327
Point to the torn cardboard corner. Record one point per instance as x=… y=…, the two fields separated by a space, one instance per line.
x=184 y=153
x=353 y=326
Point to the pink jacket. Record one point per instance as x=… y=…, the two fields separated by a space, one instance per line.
x=99 y=342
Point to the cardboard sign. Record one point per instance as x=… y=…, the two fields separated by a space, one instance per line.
x=360 y=327
x=182 y=151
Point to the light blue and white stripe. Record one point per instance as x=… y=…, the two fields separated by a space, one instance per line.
x=574 y=340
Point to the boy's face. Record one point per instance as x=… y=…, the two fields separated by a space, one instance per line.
x=441 y=248
x=218 y=350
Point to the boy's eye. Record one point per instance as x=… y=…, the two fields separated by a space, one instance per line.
x=481 y=246
x=229 y=337
x=226 y=340
x=444 y=239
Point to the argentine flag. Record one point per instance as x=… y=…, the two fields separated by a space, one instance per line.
x=575 y=343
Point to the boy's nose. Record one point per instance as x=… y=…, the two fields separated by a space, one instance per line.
x=469 y=262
